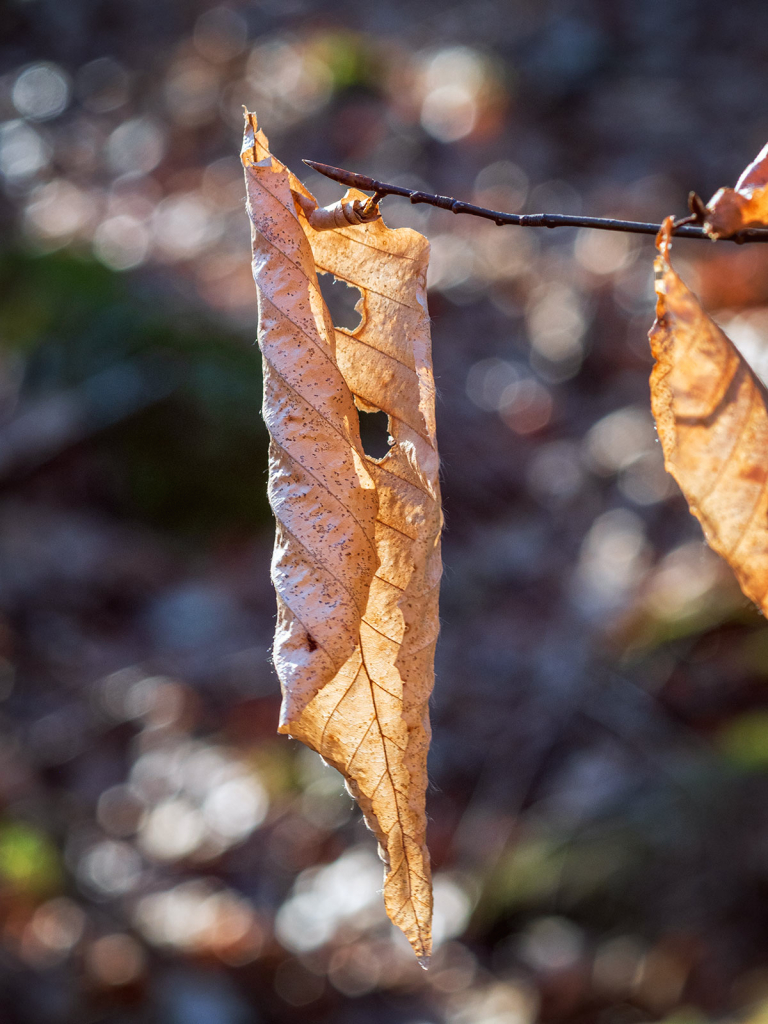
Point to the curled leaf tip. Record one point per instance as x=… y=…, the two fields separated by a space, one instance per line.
x=730 y=210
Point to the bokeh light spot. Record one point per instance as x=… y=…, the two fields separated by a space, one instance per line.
x=110 y=868
x=115 y=959
x=236 y=807
x=220 y=34
x=551 y=944
x=121 y=243
x=57 y=211
x=22 y=151
x=526 y=406
x=136 y=145
x=604 y=252
x=452 y=908
x=41 y=91
x=619 y=438
x=612 y=561
x=55 y=928
x=325 y=897
x=171 y=830
x=488 y=380
x=448 y=113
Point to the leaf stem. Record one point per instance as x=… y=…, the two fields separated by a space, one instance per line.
x=525 y=220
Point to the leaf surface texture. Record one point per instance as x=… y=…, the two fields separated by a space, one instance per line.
x=356 y=564
x=711 y=414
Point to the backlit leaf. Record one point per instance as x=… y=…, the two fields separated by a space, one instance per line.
x=357 y=563
x=712 y=419
x=731 y=209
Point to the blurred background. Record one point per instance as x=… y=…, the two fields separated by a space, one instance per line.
x=599 y=772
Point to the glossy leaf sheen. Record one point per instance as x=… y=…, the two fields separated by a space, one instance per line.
x=357 y=563
x=745 y=206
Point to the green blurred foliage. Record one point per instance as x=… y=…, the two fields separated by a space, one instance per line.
x=744 y=740
x=28 y=859
x=192 y=461
x=350 y=57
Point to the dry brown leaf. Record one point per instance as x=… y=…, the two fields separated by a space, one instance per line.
x=357 y=562
x=712 y=418
x=732 y=209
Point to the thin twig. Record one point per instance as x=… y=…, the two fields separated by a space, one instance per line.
x=525 y=220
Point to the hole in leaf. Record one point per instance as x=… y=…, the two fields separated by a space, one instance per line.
x=374 y=433
x=341 y=299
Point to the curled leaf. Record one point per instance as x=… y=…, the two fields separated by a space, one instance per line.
x=711 y=414
x=732 y=209
x=357 y=552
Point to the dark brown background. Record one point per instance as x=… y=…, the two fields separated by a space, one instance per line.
x=599 y=801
